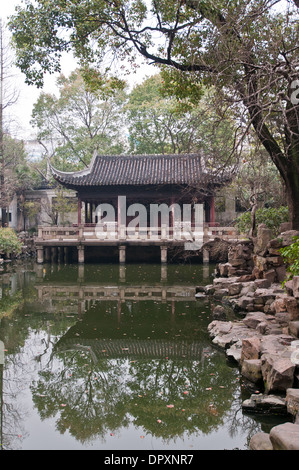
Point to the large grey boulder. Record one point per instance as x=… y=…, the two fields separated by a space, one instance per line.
x=278 y=373
x=261 y=441
x=285 y=437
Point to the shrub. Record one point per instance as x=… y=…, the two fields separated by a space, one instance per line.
x=271 y=217
x=9 y=242
x=290 y=255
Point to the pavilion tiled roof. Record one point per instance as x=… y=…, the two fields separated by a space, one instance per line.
x=107 y=170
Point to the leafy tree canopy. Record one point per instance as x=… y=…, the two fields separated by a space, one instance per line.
x=86 y=116
x=159 y=123
x=247 y=49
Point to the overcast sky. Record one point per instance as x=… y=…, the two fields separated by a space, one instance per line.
x=20 y=114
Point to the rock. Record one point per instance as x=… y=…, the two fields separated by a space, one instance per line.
x=289 y=287
x=225 y=334
x=252 y=319
x=248 y=288
x=264 y=235
x=286 y=303
x=294 y=328
x=279 y=304
x=223 y=282
x=273 y=345
x=237 y=262
x=209 y=289
x=257 y=273
x=295 y=282
x=219 y=293
x=252 y=370
x=284 y=239
x=262 y=283
x=278 y=373
x=251 y=348
x=200 y=295
x=267 y=295
x=246 y=278
x=285 y=437
x=270 y=275
x=263 y=328
x=261 y=342
x=292 y=307
x=265 y=404
x=218 y=327
x=235 y=288
x=223 y=269
x=234 y=352
x=219 y=313
x=282 y=318
x=243 y=303
x=200 y=289
x=288 y=237
x=281 y=273
x=292 y=401
x=260 y=262
x=285 y=226
x=261 y=441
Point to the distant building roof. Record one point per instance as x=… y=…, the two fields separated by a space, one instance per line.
x=107 y=170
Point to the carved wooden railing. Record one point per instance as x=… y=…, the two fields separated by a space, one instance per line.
x=114 y=232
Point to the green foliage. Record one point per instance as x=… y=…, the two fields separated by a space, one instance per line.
x=84 y=118
x=290 y=256
x=9 y=242
x=183 y=85
x=270 y=216
x=161 y=123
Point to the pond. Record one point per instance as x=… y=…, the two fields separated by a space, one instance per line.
x=115 y=357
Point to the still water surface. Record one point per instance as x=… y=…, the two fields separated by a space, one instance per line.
x=113 y=357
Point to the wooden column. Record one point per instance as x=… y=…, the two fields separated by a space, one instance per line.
x=66 y=254
x=86 y=212
x=40 y=254
x=122 y=254
x=79 y=210
x=205 y=252
x=80 y=254
x=47 y=254
x=212 y=210
x=171 y=231
x=163 y=254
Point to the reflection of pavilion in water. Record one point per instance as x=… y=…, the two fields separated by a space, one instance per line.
x=83 y=292
x=118 y=297
x=134 y=349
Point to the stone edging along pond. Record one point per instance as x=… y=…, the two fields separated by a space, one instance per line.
x=256 y=322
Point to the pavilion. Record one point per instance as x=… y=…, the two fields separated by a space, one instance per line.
x=178 y=178
x=125 y=183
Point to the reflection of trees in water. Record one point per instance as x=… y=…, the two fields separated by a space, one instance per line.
x=15 y=380
x=88 y=399
x=91 y=399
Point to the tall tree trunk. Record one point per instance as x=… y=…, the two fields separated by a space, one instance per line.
x=292 y=194
x=2 y=177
